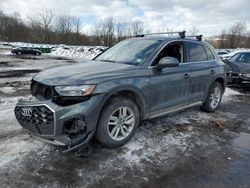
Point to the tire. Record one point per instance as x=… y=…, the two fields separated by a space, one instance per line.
x=19 y=53
x=215 y=92
x=112 y=130
x=37 y=53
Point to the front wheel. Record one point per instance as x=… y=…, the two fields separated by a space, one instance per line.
x=118 y=122
x=214 y=97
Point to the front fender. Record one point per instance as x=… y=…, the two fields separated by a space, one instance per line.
x=139 y=87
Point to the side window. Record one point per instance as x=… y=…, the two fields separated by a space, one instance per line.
x=210 y=55
x=173 y=50
x=196 y=52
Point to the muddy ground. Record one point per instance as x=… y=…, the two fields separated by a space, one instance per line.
x=187 y=149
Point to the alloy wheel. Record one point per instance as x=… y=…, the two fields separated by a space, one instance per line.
x=215 y=97
x=121 y=123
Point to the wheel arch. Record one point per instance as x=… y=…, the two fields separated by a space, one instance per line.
x=129 y=92
x=222 y=81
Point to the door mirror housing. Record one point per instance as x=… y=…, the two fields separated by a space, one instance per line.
x=167 y=62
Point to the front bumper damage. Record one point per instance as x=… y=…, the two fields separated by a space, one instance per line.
x=236 y=78
x=71 y=126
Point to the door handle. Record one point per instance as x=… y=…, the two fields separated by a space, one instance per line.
x=212 y=71
x=186 y=76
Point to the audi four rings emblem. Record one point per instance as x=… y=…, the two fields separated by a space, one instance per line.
x=27 y=112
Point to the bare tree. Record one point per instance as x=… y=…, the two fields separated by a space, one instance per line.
x=104 y=31
x=193 y=30
x=98 y=34
x=108 y=31
x=235 y=34
x=223 y=39
x=42 y=25
x=120 y=30
x=137 y=27
x=46 y=20
x=77 y=27
x=64 y=28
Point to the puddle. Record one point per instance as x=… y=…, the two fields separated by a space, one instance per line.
x=5 y=64
x=242 y=143
x=28 y=57
x=240 y=165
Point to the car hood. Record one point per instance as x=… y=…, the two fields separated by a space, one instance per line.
x=239 y=66
x=91 y=72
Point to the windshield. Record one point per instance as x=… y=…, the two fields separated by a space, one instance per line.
x=241 y=57
x=131 y=51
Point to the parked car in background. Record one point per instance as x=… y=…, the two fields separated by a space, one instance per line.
x=25 y=50
x=228 y=55
x=107 y=97
x=220 y=53
x=238 y=68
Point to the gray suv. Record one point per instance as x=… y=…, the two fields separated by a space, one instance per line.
x=107 y=97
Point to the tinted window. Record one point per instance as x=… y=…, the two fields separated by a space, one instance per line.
x=210 y=55
x=241 y=57
x=196 y=52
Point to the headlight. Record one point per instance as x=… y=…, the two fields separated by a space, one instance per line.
x=82 y=90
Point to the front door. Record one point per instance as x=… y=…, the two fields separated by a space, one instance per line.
x=170 y=86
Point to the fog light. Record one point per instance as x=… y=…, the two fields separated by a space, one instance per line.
x=77 y=126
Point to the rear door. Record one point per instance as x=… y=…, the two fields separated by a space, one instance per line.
x=203 y=65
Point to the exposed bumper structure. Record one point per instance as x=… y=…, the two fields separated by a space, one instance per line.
x=237 y=78
x=71 y=126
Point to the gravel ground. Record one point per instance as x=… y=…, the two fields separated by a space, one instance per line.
x=187 y=149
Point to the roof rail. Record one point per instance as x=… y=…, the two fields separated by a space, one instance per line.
x=181 y=34
x=198 y=37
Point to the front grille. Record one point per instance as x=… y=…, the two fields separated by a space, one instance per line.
x=41 y=90
x=36 y=119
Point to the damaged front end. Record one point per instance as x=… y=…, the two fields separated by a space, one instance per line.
x=71 y=125
x=236 y=78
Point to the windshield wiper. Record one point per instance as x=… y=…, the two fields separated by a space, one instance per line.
x=111 y=61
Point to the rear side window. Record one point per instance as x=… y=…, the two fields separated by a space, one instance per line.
x=210 y=55
x=196 y=52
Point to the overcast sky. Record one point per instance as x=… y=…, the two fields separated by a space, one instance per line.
x=210 y=16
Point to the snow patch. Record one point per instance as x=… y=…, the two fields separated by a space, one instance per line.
x=17 y=148
x=7 y=90
x=84 y=52
x=229 y=93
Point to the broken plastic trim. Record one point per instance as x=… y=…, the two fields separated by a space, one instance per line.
x=83 y=144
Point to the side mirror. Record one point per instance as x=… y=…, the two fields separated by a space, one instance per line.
x=167 y=62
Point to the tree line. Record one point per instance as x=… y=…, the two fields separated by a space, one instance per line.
x=48 y=28
x=235 y=37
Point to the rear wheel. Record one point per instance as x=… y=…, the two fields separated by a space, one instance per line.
x=19 y=53
x=118 y=122
x=37 y=53
x=214 y=97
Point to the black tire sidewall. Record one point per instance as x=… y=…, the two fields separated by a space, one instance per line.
x=102 y=132
x=207 y=107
